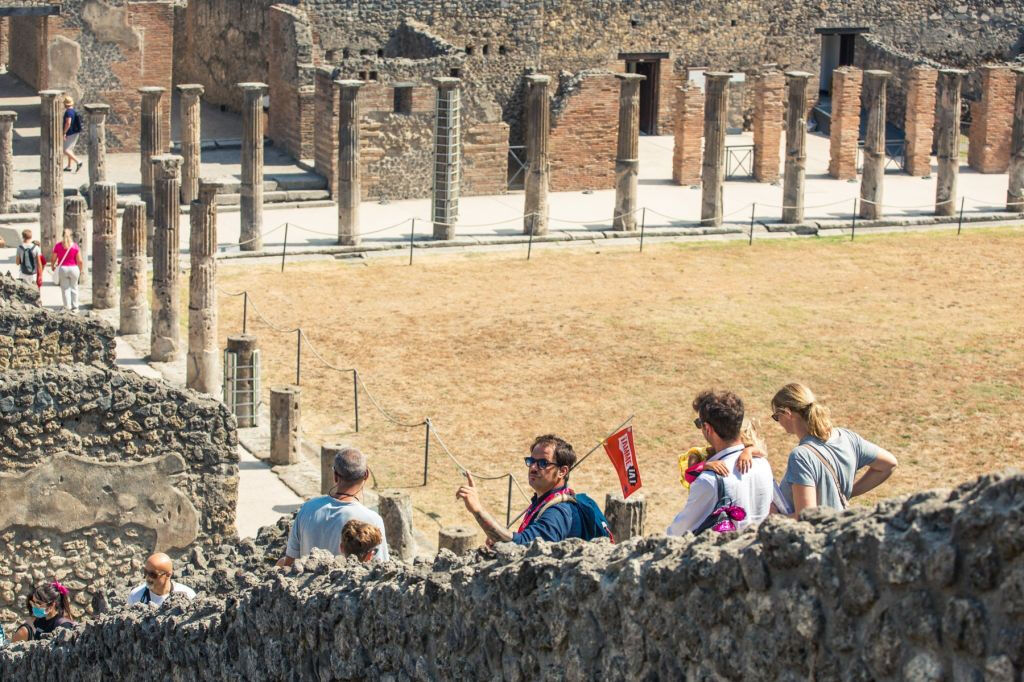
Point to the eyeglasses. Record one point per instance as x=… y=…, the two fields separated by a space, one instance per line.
x=699 y=423
x=542 y=464
x=152 y=575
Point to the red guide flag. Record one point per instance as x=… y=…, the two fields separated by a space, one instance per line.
x=622 y=452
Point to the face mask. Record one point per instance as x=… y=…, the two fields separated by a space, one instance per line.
x=38 y=612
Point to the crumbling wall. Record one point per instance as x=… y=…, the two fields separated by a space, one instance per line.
x=31 y=336
x=925 y=588
x=99 y=467
x=15 y=291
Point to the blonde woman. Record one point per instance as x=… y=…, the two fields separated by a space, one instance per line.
x=823 y=466
x=67 y=261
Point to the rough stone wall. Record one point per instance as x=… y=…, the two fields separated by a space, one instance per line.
x=920 y=119
x=926 y=588
x=5 y=33
x=870 y=53
x=33 y=337
x=15 y=291
x=992 y=121
x=845 y=126
x=99 y=467
x=770 y=91
x=584 y=129
x=689 y=134
x=28 y=37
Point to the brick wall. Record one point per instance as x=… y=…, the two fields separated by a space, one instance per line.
x=325 y=142
x=291 y=82
x=584 y=131
x=689 y=134
x=669 y=81
x=769 y=108
x=485 y=159
x=992 y=121
x=920 y=119
x=846 y=86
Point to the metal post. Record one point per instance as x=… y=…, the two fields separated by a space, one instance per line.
x=412 y=233
x=284 y=249
x=426 y=452
x=529 y=246
x=355 y=395
x=960 y=224
x=753 y=209
x=245 y=310
x=643 y=224
x=853 y=229
x=508 y=506
x=298 y=357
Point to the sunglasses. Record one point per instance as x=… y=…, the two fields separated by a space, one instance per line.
x=775 y=415
x=698 y=422
x=152 y=575
x=541 y=464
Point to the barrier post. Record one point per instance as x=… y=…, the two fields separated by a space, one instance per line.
x=529 y=246
x=355 y=395
x=412 y=234
x=508 y=506
x=245 y=311
x=853 y=227
x=643 y=224
x=284 y=249
x=426 y=452
x=960 y=224
x=753 y=209
x=298 y=357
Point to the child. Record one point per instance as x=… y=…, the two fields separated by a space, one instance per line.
x=694 y=461
x=360 y=540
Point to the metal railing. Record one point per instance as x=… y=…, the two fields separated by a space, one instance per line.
x=739 y=160
x=517 y=167
x=895 y=155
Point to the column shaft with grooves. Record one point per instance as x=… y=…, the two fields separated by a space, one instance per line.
x=7 y=119
x=716 y=101
x=97 y=114
x=76 y=219
x=202 y=366
x=165 y=333
x=796 y=147
x=349 y=182
x=447 y=158
x=191 y=136
x=873 y=176
x=151 y=142
x=627 y=161
x=134 y=291
x=947 y=139
x=251 y=236
x=538 y=171
x=51 y=173
x=1015 y=187
x=104 y=245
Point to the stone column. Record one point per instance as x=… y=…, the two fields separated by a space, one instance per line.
x=689 y=134
x=327 y=454
x=919 y=120
x=447 y=157
x=845 y=128
x=627 y=161
x=1015 y=188
x=97 y=114
x=134 y=287
x=796 y=147
x=716 y=110
x=457 y=539
x=202 y=363
x=191 y=137
x=243 y=397
x=768 y=94
x=76 y=219
x=874 y=145
x=104 y=245
x=284 y=424
x=51 y=169
x=947 y=139
x=538 y=170
x=165 y=332
x=988 y=149
x=251 y=236
x=151 y=142
x=626 y=518
x=395 y=508
x=7 y=119
x=349 y=181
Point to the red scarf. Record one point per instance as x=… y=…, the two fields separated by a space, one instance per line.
x=535 y=509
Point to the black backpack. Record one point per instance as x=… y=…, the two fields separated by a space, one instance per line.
x=29 y=260
x=76 y=123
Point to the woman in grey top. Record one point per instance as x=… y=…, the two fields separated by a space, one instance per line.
x=823 y=465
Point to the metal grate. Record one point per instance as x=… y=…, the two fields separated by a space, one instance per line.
x=739 y=160
x=895 y=155
x=240 y=398
x=446 y=157
x=517 y=166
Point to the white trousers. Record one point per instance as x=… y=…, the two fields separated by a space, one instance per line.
x=68 y=276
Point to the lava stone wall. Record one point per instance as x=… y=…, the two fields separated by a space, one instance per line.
x=872 y=54
x=926 y=588
x=15 y=291
x=33 y=337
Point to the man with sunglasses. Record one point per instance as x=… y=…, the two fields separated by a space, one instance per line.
x=552 y=514
x=158 y=570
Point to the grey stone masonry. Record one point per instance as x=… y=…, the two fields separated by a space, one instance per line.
x=873 y=175
x=76 y=219
x=459 y=540
x=447 y=157
x=251 y=235
x=203 y=365
x=626 y=517
x=51 y=169
x=349 y=190
x=327 y=454
x=796 y=147
x=151 y=143
x=7 y=119
x=716 y=111
x=627 y=156
x=104 y=245
x=395 y=507
x=1015 y=187
x=538 y=170
x=285 y=419
x=947 y=139
x=134 y=286
x=165 y=332
x=191 y=135
x=97 y=116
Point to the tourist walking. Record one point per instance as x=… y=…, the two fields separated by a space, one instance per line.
x=28 y=258
x=72 y=129
x=822 y=467
x=67 y=264
x=50 y=605
x=158 y=572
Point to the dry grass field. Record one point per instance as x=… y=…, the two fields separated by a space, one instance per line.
x=913 y=340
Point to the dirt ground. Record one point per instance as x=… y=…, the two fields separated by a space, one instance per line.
x=914 y=341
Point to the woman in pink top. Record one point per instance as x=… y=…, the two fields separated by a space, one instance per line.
x=67 y=261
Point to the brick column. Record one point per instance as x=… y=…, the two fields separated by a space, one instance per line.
x=7 y=119
x=51 y=169
x=76 y=219
x=988 y=150
x=202 y=363
x=716 y=110
x=447 y=169
x=134 y=295
x=689 y=134
x=874 y=145
x=349 y=181
x=845 y=126
x=191 y=139
x=1015 y=188
x=104 y=245
x=151 y=142
x=165 y=332
x=920 y=119
x=627 y=161
x=251 y=236
x=97 y=114
x=769 y=92
x=947 y=139
x=796 y=147
x=538 y=170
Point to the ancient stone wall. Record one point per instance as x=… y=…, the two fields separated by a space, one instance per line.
x=870 y=53
x=992 y=121
x=15 y=291
x=584 y=129
x=926 y=588
x=33 y=337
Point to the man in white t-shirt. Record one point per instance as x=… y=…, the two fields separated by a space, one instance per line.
x=720 y=419
x=158 y=570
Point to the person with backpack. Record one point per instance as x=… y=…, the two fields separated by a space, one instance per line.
x=72 y=129
x=158 y=585
x=28 y=259
x=50 y=605
x=556 y=512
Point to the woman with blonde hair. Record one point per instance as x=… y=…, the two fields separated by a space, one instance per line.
x=823 y=465
x=67 y=262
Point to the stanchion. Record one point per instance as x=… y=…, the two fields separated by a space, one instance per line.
x=355 y=395
x=529 y=245
x=960 y=224
x=753 y=209
x=643 y=223
x=853 y=227
x=426 y=452
x=412 y=234
x=245 y=310
x=284 y=249
x=298 y=357
x=508 y=506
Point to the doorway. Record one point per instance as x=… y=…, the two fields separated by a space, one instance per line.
x=837 y=49
x=648 y=65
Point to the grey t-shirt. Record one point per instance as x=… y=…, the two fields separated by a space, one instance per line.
x=319 y=523
x=845 y=450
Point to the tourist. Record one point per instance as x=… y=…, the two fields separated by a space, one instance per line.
x=823 y=465
x=28 y=258
x=72 y=128
x=733 y=501
x=67 y=262
x=158 y=572
x=319 y=521
x=360 y=539
x=50 y=606
x=693 y=462
x=555 y=513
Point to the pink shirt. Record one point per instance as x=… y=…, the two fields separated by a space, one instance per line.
x=65 y=261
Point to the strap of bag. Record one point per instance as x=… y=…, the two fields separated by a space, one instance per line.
x=832 y=472
x=145 y=596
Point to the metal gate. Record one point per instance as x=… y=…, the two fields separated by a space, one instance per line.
x=242 y=393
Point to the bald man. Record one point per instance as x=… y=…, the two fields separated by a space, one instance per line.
x=158 y=570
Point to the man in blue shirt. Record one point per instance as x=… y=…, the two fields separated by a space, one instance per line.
x=552 y=515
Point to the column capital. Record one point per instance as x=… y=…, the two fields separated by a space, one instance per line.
x=252 y=88
x=167 y=165
x=152 y=91
x=877 y=74
x=797 y=75
x=96 y=108
x=8 y=116
x=191 y=89
x=631 y=77
x=212 y=186
x=537 y=79
x=51 y=94
x=446 y=82
x=717 y=75
x=349 y=84
x=954 y=72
